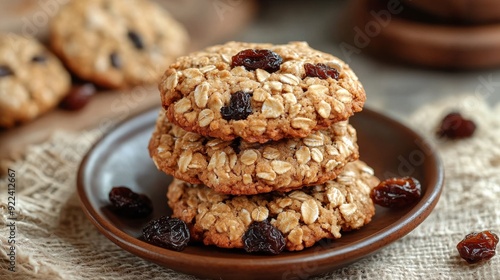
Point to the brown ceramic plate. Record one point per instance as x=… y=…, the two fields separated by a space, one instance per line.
x=121 y=158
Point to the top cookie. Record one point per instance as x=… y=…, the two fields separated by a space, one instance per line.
x=117 y=43
x=259 y=92
x=32 y=80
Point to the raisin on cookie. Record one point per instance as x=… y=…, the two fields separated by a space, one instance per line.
x=259 y=92
x=32 y=80
x=241 y=168
x=117 y=43
x=304 y=217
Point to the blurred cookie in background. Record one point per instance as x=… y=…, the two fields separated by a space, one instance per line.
x=32 y=80
x=207 y=22
x=116 y=43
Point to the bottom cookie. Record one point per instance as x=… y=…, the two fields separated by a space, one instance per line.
x=304 y=216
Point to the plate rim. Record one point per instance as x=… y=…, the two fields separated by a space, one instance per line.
x=161 y=256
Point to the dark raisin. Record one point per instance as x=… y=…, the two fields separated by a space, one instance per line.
x=136 y=39
x=166 y=232
x=239 y=107
x=235 y=144
x=5 y=71
x=116 y=60
x=129 y=204
x=78 y=97
x=397 y=192
x=263 y=237
x=258 y=59
x=321 y=71
x=454 y=126
x=478 y=246
x=39 y=58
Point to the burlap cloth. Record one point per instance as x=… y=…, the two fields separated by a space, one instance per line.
x=56 y=241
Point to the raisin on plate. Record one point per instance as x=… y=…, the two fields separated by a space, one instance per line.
x=167 y=232
x=397 y=192
x=129 y=204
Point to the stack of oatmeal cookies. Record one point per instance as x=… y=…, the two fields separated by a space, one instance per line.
x=258 y=141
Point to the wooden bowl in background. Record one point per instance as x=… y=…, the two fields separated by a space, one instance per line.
x=466 y=11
